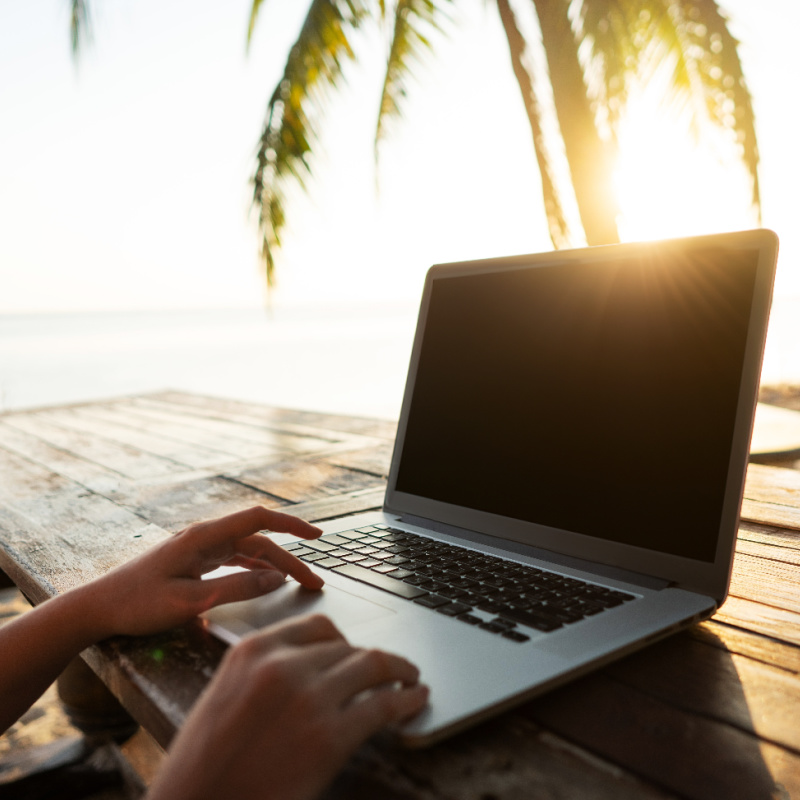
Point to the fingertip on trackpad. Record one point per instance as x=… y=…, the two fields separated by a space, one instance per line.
x=233 y=621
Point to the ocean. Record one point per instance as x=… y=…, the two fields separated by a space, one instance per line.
x=349 y=359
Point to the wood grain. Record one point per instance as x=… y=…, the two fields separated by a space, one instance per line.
x=708 y=713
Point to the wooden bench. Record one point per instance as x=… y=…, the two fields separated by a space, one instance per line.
x=710 y=713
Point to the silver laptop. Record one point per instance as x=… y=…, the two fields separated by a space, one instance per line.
x=567 y=476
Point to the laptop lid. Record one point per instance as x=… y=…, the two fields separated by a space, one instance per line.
x=596 y=403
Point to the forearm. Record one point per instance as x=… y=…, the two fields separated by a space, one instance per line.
x=37 y=646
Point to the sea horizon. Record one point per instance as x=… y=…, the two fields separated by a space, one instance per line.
x=349 y=358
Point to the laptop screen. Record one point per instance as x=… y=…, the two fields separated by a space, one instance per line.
x=597 y=397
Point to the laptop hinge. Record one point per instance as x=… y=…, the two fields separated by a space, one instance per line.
x=605 y=570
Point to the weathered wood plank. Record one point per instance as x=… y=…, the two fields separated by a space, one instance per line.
x=181 y=430
x=769 y=535
x=128 y=461
x=761 y=618
x=770 y=514
x=773 y=485
x=376 y=459
x=284 y=418
x=332 y=507
x=63 y=462
x=152 y=437
x=769 y=551
x=510 y=758
x=766 y=581
x=687 y=753
x=709 y=681
x=158 y=678
x=299 y=481
x=757 y=647
x=253 y=432
x=57 y=534
x=174 y=505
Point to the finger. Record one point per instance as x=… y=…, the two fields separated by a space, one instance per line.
x=300 y=631
x=382 y=708
x=262 y=547
x=369 y=669
x=258 y=518
x=248 y=563
x=234 y=588
x=242 y=524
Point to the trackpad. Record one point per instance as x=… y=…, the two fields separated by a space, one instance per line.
x=232 y=621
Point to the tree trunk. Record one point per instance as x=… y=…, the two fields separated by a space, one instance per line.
x=556 y=220
x=589 y=157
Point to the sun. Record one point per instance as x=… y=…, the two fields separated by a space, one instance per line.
x=672 y=181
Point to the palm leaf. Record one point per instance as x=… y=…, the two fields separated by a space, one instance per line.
x=314 y=67
x=251 y=24
x=414 y=20
x=630 y=41
x=722 y=83
x=80 y=30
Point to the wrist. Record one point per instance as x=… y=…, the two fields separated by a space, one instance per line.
x=84 y=614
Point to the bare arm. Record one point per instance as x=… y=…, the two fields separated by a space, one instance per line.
x=158 y=590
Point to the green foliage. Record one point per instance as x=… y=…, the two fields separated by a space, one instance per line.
x=596 y=52
x=79 y=25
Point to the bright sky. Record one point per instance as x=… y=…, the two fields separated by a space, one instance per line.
x=124 y=183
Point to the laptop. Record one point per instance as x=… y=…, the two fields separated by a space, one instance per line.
x=567 y=475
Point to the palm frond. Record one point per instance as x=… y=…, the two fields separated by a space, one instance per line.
x=630 y=41
x=80 y=29
x=313 y=68
x=251 y=23
x=615 y=32
x=557 y=224
x=414 y=20
x=722 y=85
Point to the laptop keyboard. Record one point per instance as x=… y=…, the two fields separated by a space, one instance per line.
x=456 y=581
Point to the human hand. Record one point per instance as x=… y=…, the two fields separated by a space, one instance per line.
x=285 y=710
x=163 y=587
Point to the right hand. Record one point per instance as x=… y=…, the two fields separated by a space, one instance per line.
x=283 y=713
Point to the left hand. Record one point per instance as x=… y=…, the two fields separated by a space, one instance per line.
x=163 y=587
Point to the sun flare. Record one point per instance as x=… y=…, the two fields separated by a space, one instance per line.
x=671 y=182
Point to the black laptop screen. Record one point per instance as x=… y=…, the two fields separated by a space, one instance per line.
x=595 y=398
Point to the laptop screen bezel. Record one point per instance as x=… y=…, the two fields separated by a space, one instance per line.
x=707 y=577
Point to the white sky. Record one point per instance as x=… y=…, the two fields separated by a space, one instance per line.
x=124 y=183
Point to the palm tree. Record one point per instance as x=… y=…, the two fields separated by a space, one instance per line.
x=596 y=51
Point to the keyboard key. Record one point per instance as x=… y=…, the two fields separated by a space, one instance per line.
x=515 y=636
x=352 y=535
x=532 y=620
x=493 y=627
x=432 y=601
x=384 y=582
x=453 y=609
x=401 y=574
x=329 y=562
x=313 y=557
x=322 y=547
x=299 y=552
x=332 y=538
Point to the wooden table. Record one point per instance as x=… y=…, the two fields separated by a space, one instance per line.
x=711 y=713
